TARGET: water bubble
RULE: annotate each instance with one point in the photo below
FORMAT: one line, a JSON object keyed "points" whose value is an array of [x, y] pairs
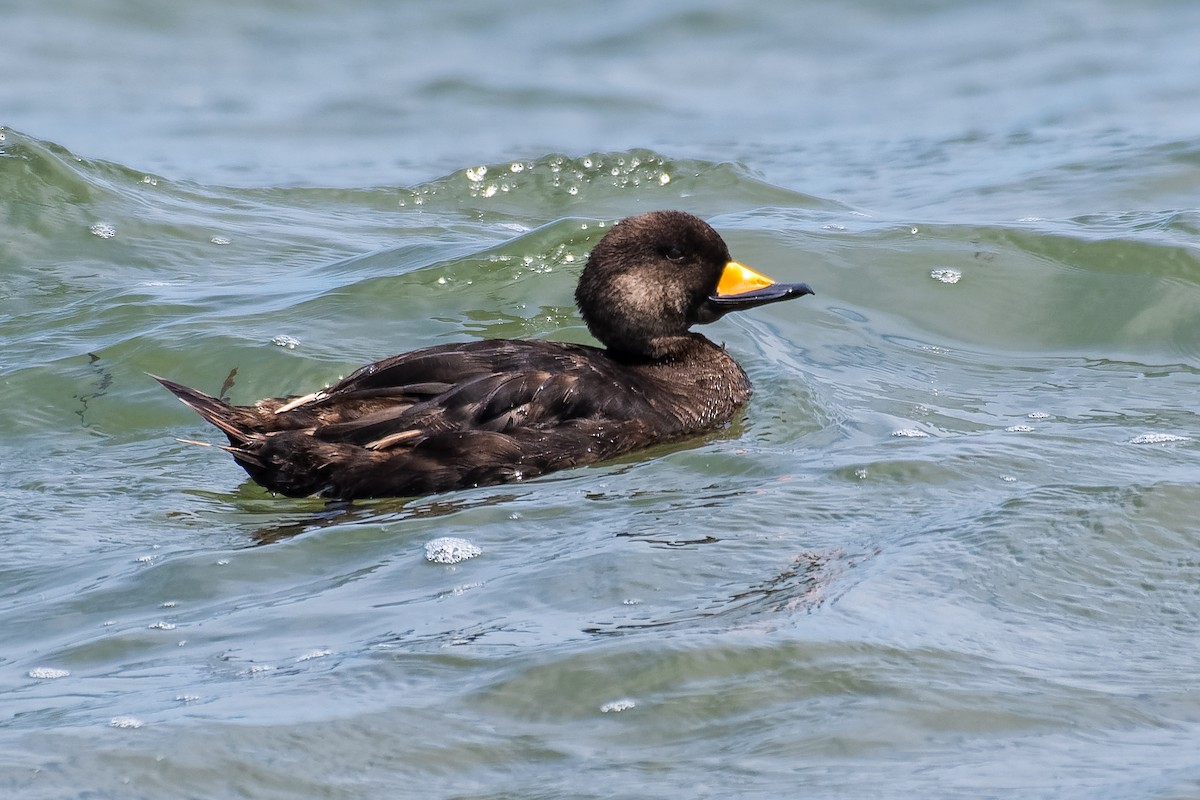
{"points": [[946, 275], [490, 191], [664, 179], [1019, 428], [220, 240], [476, 174], [285, 341], [125, 722], [617, 706], [48, 673], [1038, 415], [587, 162], [104, 230], [1158, 438], [150, 180], [450, 550], [516, 166], [161, 626], [573, 190], [910, 433]]}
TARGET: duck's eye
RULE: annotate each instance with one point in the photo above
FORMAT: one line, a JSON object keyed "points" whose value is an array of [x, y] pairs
{"points": [[673, 253]]}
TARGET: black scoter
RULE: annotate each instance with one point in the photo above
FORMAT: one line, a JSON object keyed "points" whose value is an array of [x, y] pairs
{"points": [[493, 411]]}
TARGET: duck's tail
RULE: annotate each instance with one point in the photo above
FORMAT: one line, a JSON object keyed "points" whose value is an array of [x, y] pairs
{"points": [[214, 410]]}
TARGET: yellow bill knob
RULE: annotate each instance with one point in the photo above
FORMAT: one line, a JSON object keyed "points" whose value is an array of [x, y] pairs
{"points": [[739, 279]]}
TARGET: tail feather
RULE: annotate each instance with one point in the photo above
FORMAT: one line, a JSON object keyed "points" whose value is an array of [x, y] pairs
{"points": [[215, 411], [248, 458]]}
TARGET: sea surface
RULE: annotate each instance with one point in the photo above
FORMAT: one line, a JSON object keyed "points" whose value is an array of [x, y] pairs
{"points": [[951, 549]]}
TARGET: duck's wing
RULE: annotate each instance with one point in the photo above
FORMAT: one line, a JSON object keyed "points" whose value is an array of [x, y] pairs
{"points": [[442, 418], [492, 386], [299, 465], [521, 412]]}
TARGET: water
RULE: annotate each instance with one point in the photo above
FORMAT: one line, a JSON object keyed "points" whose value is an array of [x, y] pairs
{"points": [[949, 551]]}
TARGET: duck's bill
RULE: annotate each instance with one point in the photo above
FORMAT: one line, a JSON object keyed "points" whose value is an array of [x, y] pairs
{"points": [[741, 287]]}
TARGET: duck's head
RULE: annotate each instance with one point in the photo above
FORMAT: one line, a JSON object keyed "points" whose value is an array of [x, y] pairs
{"points": [[655, 275]]}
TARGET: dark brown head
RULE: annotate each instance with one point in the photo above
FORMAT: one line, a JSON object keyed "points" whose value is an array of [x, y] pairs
{"points": [[655, 275]]}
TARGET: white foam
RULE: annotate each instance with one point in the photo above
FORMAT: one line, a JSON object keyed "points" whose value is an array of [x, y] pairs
{"points": [[450, 550], [48, 673], [125, 722], [617, 706], [1158, 438]]}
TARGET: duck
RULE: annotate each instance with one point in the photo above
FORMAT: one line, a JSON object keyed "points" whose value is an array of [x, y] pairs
{"points": [[494, 411]]}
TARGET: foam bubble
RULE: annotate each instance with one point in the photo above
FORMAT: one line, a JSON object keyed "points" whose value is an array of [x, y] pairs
{"points": [[946, 275], [617, 706], [450, 550], [1158, 438], [48, 673], [125, 722], [910, 433]]}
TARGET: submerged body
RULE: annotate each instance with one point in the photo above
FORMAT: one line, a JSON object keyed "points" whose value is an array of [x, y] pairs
{"points": [[495, 411]]}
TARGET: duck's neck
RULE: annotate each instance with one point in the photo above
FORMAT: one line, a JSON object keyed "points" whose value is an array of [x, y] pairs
{"points": [[704, 386]]}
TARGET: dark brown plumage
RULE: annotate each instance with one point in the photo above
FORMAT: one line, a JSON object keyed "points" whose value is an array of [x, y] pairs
{"points": [[494, 411]]}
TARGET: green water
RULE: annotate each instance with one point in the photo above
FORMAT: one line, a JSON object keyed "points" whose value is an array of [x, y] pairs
{"points": [[949, 550]]}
